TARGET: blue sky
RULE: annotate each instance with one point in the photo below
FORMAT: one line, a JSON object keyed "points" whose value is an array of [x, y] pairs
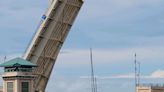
{"points": [[115, 29]]}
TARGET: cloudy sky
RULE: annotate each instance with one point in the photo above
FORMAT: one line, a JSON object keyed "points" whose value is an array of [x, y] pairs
{"points": [[115, 29]]}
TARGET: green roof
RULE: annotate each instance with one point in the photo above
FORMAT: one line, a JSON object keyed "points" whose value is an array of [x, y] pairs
{"points": [[17, 62]]}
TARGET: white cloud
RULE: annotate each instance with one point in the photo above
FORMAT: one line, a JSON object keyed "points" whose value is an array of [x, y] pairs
{"points": [[158, 74], [68, 84], [119, 76], [154, 75], [78, 57]]}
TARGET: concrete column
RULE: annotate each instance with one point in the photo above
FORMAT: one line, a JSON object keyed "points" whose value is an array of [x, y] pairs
{"points": [[17, 85], [4, 86]]}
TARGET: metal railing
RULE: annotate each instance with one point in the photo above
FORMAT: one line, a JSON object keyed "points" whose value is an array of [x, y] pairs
{"points": [[29, 43], [151, 85]]}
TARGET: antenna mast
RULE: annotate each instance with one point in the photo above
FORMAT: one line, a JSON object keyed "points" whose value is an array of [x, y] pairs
{"points": [[135, 62], [5, 58], [93, 78], [139, 71]]}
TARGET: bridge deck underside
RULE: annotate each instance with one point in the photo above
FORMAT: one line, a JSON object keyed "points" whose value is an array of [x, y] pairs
{"points": [[49, 39]]}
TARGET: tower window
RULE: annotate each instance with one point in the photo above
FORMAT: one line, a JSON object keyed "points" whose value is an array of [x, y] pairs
{"points": [[9, 86], [25, 87]]}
